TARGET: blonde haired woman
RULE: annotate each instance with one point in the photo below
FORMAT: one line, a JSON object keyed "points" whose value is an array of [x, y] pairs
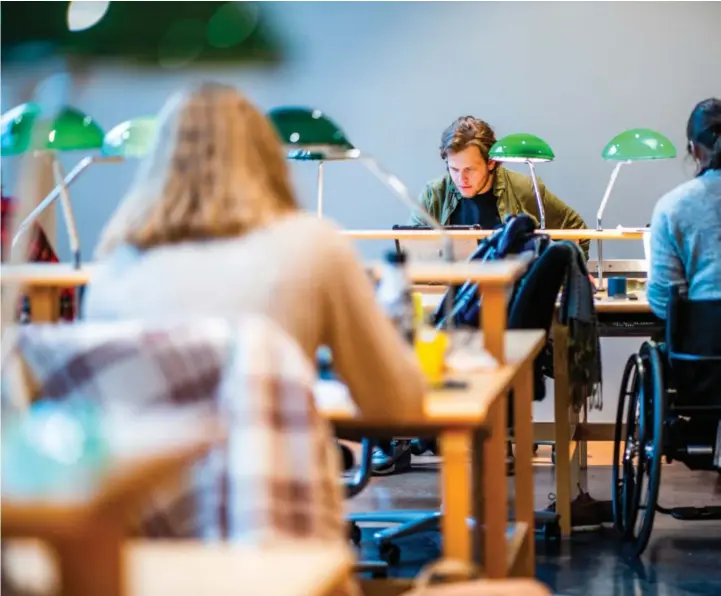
{"points": [[211, 227]]}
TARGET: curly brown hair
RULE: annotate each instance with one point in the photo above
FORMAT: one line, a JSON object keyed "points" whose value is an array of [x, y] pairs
{"points": [[465, 132]]}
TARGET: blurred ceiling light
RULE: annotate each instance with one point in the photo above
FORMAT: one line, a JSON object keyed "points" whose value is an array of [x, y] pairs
{"points": [[182, 43], [232, 24], [206, 32], [83, 14]]}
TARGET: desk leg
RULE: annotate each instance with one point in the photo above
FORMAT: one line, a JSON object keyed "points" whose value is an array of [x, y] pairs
{"points": [[91, 565], [495, 489], [575, 452], [561, 397], [456, 479], [583, 445], [523, 434], [493, 322], [44, 304], [479, 501]]}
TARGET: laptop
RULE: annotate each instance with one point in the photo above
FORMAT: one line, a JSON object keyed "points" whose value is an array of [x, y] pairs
{"points": [[433, 249]]}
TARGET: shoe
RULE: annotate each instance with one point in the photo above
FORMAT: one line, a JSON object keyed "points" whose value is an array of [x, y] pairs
{"points": [[392, 460], [587, 514], [420, 446]]}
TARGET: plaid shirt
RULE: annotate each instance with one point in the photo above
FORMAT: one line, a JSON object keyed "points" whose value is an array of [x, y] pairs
{"points": [[278, 476]]}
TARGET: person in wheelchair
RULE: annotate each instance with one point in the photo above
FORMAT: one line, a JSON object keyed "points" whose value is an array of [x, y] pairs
{"points": [[669, 407], [685, 242]]}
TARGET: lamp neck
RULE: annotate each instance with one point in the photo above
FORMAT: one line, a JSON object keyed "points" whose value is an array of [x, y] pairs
{"points": [[607, 194]]}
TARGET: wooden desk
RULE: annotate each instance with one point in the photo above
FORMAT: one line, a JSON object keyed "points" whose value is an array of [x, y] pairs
{"points": [[570, 437], [570, 432], [610, 234], [464, 419], [604, 304], [185, 568], [42, 283], [87, 530], [494, 280]]}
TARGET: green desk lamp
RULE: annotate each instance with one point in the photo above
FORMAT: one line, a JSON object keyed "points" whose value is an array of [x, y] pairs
{"points": [[309, 135], [17, 128], [133, 138], [25, 129], [636, 144], [528, 149]]}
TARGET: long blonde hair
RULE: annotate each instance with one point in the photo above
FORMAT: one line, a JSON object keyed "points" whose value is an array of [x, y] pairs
{"points": [[216, 170]]}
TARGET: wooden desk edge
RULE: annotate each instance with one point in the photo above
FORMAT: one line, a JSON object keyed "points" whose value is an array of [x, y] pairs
{"points": [[516, 544], [586, 234], [24, 518], [502, 379]]}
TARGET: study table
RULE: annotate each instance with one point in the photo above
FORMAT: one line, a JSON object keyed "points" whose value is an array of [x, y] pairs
{"points": [[610, 234], [86, 528], [195, 568], [617, 317], [42, 283], [471, 421], [476, 427]]}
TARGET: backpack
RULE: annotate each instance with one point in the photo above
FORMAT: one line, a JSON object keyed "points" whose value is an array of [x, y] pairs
{"points": [[516, 236]]}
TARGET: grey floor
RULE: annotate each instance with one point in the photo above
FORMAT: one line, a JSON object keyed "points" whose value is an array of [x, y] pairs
{"points": [[682, 558]]}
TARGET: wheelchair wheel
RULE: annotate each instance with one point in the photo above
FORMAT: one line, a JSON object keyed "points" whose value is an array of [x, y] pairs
{"points": [[640, 458], [626, 401]]}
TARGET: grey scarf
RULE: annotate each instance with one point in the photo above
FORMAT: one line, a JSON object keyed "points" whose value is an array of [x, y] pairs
{"points": [[578, 313]]}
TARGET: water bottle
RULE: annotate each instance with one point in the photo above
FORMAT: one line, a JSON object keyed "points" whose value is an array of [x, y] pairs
{"points": [[394, 294]]}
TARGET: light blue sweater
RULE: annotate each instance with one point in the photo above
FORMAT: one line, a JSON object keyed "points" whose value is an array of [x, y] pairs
{"points": [[686, 242]]}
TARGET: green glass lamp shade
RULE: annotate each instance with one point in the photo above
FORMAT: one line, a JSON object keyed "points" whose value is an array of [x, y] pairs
{"points": [[17, 127], [70, 130], [309, 131], [639, 144], [23, 128], [521, 147], [133, 138]]}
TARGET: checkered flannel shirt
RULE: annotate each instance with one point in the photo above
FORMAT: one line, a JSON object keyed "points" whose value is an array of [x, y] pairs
{"points": [[278, 475]]}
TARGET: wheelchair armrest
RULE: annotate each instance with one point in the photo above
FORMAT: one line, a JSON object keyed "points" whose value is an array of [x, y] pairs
{"points": [[362, 474]]}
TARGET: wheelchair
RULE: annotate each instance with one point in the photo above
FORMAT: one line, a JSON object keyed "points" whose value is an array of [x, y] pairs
{"points": [[669, 408]]}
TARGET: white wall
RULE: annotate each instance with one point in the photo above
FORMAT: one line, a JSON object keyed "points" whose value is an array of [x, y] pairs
{"points": [[395, 74]]}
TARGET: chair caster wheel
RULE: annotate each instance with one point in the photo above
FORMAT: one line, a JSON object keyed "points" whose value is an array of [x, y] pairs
{"points": [[355, 533], [390, 553]]}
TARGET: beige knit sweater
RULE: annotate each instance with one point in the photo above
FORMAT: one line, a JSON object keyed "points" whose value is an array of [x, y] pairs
{"points": [[301, 272]]}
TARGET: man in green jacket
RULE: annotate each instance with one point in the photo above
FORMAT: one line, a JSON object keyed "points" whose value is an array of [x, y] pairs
{"points": [[479, 191]]}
